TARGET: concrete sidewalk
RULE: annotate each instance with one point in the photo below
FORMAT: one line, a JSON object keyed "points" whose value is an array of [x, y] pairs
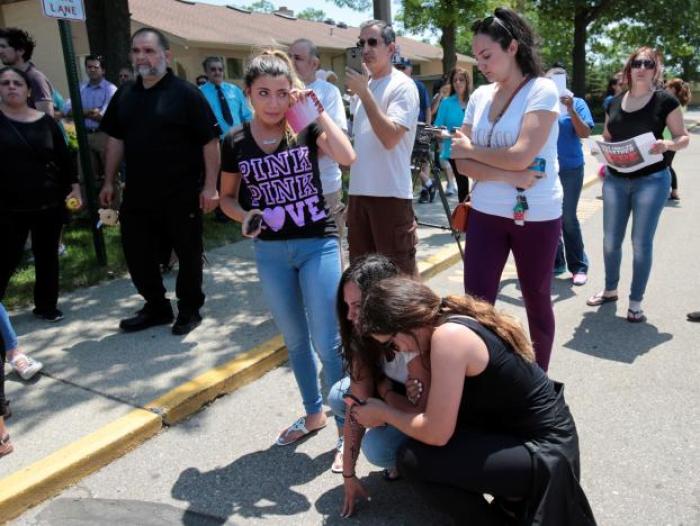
{"points": [[103, 392]]}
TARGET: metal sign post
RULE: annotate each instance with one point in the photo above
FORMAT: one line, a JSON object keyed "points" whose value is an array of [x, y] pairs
{"points": [[66, 10]]}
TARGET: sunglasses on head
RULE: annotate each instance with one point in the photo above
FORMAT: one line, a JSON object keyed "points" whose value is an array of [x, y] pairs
{"points": [[485, 23], [644, 63], [371, 42]]}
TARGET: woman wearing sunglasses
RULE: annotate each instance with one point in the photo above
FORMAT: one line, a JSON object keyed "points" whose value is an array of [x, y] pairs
{"points": [[508, 125], [493, 423], [642, 193]]}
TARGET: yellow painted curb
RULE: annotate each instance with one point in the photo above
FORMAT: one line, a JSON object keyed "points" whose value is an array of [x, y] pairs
{"points": [[46, 477], [186, 399], [590, 181], [441, 260]]}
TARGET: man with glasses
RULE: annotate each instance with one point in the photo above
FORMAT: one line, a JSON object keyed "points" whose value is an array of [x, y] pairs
{"points": [[380, 211], [227, 100], [95, 95], [228, 103], [307, 59]]}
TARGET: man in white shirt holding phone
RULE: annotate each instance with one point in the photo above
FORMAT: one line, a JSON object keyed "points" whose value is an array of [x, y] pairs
{"points": [[307, 59], [380, 211]]}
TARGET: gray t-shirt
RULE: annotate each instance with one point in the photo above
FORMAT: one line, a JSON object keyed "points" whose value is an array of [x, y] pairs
{"points": [[41, 90]]}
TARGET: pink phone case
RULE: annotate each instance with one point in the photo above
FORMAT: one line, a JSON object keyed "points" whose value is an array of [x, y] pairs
{"points": [[303, 113]]}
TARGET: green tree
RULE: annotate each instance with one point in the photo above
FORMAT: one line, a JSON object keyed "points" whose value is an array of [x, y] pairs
{"points": [[262, 6], [310, 13], [579, 15]]}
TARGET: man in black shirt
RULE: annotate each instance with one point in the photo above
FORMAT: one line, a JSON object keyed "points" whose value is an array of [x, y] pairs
{"points": [[168, 135]]}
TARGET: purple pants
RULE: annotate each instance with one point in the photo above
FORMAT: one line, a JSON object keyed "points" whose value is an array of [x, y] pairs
{"points": [[490, 239]]}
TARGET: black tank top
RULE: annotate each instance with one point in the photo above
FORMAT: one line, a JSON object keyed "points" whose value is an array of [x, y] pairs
{"points": [[511, 395]]}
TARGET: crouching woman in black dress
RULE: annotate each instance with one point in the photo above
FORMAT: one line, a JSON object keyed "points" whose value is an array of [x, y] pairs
{"points": [[494, 423]]}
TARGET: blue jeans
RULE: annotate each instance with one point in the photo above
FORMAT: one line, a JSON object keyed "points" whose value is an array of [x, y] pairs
{"points": [[7, 333], [379, 444], [576, 259], [300, 280], [644, 198]]}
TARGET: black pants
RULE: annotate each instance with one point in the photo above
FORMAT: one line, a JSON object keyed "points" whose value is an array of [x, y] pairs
{"points": [[45, 228], [462, 182], [674, 178], [143, 233], [455, 477]]}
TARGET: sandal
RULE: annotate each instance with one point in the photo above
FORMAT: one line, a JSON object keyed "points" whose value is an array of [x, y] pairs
{"points": [[297, 427], [6, 446], [337, 466], [636, 316], [600, 298], [25, 366]]}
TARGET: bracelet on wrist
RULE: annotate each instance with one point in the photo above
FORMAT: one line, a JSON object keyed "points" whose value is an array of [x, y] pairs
{"points": [[352, 476]]}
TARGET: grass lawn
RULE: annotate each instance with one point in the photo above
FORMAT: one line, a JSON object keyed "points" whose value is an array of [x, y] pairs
{"points": [[79, 267]]}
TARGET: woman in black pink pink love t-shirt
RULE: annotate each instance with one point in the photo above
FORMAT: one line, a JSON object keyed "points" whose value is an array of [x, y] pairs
{"points": [[641, 193], [270, 182]]}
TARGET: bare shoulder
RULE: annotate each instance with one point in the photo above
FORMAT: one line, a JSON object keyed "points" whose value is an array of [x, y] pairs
{"points": [[455, 342]]}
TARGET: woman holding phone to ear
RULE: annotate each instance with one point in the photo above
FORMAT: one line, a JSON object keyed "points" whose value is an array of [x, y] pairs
{"points": [[271, 183], [508, 125]]}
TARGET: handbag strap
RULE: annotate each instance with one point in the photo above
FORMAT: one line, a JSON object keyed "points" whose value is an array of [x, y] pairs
{"points": [[505, 108]]}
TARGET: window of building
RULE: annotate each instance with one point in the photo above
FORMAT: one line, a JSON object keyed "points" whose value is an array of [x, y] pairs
{"points": [[234, 68]]}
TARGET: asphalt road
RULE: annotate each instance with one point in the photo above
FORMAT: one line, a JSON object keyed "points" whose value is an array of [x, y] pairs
{"points": [[633, 389]]}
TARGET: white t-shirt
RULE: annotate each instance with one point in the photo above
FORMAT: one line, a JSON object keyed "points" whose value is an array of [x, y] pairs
{"points": [[544, 198], [397, 369], [379, 172], [332, 102]]}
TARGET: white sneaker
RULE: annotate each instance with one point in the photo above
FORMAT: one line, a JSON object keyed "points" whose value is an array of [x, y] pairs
{"points": [[25, 366]]}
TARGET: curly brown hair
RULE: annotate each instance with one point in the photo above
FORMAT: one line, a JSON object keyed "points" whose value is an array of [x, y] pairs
{"points": [[681, 89], [402, 305]]}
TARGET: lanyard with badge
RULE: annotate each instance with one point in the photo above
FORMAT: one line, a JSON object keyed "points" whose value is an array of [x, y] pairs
{"points": [[521, 205]]}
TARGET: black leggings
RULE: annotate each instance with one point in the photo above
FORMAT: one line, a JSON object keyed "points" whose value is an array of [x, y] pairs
{"points": [[462, 182], [674, 178], [456, 476]]}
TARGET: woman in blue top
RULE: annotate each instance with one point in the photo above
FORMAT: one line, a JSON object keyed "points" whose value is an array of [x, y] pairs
{"points": [[451, 115], [574, 125]]}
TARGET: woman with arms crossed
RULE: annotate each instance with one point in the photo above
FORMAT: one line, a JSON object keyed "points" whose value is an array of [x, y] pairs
{"points": [[508, 125]]}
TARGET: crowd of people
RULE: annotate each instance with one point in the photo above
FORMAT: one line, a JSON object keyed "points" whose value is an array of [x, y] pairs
{"points": [[447, 392]]}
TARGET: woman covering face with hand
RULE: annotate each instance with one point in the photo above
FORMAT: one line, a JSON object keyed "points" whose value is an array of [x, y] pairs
{"points": [[400, 379], [493, 422], [270, 182]]}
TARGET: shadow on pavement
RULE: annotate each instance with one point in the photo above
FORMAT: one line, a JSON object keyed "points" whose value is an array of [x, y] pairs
{"points": [[111, 512], [604, 335], [258, 484], [392, 503]]}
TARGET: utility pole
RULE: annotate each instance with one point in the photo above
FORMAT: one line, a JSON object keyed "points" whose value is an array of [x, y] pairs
{"points": [[382, 10]]}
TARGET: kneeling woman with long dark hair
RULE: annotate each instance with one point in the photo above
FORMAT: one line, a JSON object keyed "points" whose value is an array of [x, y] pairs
{"points": [[494, 422]]}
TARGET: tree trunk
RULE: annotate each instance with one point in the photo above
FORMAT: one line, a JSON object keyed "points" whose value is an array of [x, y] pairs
{"points": [[578, 83], [448, 42], [109, 31]]}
